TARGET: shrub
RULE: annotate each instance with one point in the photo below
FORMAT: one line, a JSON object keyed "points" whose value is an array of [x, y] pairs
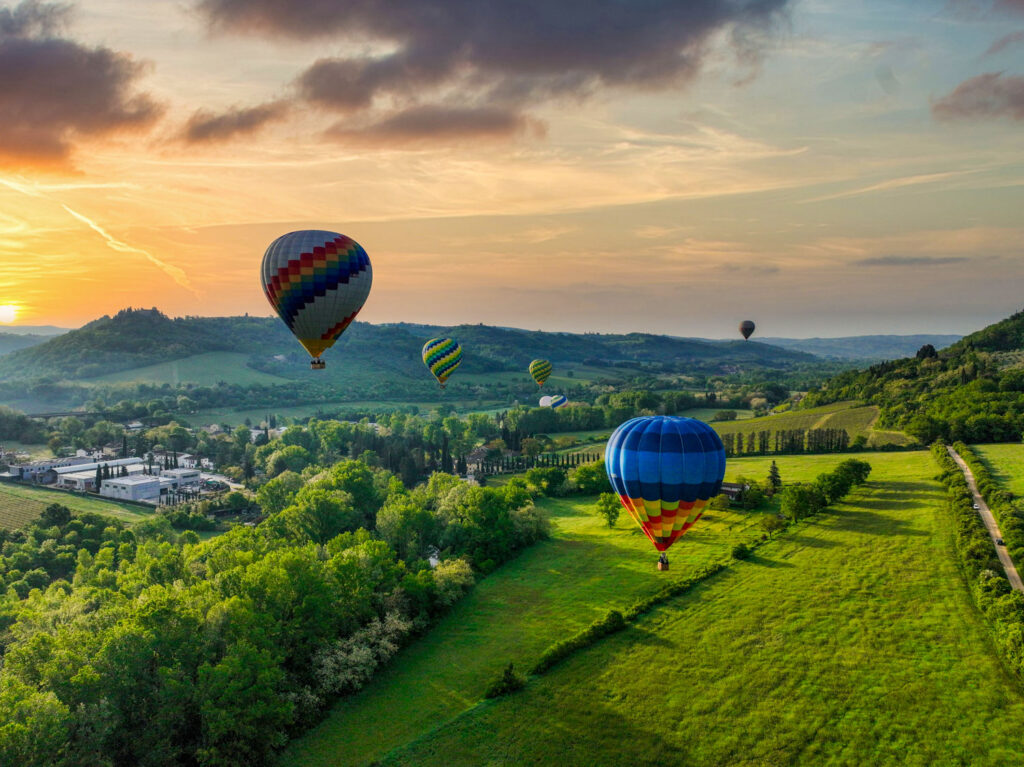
{"points": [[506, 684], [740, 551]]}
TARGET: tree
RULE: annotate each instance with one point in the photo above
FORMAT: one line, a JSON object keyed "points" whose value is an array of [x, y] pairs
{"points": [[926, 352], [774, 478], [99, 478], [772, 524], [609, 507], [800, 501], [278, 493]]}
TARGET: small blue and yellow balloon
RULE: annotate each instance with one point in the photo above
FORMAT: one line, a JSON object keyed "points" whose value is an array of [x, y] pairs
{"points": [[557, 401], [442, 356], [665, 469]]}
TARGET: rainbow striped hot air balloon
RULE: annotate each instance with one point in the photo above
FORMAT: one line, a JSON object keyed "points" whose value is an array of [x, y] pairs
{"points": [[559, 400], [442, 356], [540, 370], [317, 282], [665, 469]]}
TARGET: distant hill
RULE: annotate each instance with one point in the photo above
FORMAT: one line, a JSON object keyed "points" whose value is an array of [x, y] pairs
{"points": [[32, 330], [134, 339], [10, 342], [863, 348], [972, 390]]}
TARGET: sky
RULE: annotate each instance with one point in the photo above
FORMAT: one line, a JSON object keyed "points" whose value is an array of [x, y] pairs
{"points": [[823, 167]]}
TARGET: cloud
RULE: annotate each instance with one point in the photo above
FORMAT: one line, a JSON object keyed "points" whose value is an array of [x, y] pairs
{"points": [[989, 95], [54, 90], [909, 260], [483, 60], [206, 126], [1005, 42], [434, 124]]}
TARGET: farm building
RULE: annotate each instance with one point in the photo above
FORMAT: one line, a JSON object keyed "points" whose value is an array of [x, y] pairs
{"points": [[140, 487], [181, 477], [733, 491]]}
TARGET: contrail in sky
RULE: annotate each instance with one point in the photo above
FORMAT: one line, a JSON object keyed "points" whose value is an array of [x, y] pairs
{"points": [[174, 272]]}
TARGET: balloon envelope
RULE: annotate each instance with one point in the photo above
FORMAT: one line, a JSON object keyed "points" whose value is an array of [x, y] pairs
{"points": [[545, 401], [559, 400], [747, 328], [540, 370], [317, 282], [665, 469], [442, 356]]}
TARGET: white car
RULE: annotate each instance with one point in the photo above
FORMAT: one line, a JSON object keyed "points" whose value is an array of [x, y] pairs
{"points": [[976, 506]]}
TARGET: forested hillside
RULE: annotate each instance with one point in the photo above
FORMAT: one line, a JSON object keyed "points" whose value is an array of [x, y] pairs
{"points": [[972, 391]]}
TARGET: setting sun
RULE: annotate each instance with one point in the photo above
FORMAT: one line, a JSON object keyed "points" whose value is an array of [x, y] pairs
{"points": [[8, 313]]}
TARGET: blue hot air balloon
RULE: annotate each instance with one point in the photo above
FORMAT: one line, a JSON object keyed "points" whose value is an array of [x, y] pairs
{"points": [[665, 469]]}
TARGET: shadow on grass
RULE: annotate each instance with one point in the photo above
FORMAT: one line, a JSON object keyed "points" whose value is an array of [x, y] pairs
{"points": [[863, 521], [817, 543], [757, 559]]}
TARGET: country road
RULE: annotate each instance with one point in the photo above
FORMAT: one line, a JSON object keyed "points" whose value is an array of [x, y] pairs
{"points": [[990, 522]]}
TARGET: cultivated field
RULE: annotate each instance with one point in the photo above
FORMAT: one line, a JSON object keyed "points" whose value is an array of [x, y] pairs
{"points": [[20, 504], [850, 641], [1006, 462], [857, 420]]}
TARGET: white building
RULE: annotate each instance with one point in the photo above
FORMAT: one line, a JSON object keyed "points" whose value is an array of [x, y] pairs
{"points": [[188, 461], [33, 469], [181, 477], [140, 487]]}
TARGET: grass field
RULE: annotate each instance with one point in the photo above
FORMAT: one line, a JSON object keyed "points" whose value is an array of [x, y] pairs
{"points": [[20, 504], [556, 587], [851, 641], [857, 420], [200, 369], [236, 417], [1006, 462]]}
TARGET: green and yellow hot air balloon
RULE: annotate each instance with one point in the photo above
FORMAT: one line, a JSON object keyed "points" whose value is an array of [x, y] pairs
{"points": [[442, 356], [540, 370]]}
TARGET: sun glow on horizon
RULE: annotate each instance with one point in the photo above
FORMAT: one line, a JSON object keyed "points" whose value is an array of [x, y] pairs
{"points": [[8, 313]]}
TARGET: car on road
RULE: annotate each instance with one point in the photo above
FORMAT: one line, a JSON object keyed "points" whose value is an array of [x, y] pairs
{"points": [[976, 506], [999, 542]]}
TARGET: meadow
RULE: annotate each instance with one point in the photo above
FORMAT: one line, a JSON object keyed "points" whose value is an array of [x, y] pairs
{"points": [[201, 369], [857, 420], [556, 587], [21, 504], [1006, 462], [855, 626], [849, 640]]}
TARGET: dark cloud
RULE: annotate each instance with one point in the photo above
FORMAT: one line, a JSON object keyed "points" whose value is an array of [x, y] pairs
{"points": [[53, 89], [988, 95], [32, 17], [1005, 42], [436, 124], [910, 260], [466, 55], [205, 126]]}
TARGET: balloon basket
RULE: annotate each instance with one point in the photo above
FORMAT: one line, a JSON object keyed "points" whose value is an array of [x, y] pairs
{"points": [[662, 565], [317, 364]]}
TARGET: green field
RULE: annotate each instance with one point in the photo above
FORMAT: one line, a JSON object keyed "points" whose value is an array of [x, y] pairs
{"points": [[857, 420], [201, 369], [234, 417], [20, 504], [851, 640], [1006, 462], [557, 586]]}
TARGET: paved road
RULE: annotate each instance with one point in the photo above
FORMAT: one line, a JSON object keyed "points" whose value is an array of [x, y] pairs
{"points": [[990, 522]]}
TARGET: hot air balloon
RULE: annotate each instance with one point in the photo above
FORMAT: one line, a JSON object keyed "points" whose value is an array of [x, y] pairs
{"points": [[540, 370], [317, 282], [442, 356], [747, 328], [545, 401], [665, 469], [559, 400]]}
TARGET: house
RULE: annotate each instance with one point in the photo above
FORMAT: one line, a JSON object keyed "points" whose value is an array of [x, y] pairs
{"points": [[733, 491], [43, 471], [188, 461], [140, 487], [83, 476]]}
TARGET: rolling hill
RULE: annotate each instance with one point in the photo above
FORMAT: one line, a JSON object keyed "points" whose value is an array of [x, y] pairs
{"points": [[10, 342], [136, 339], [862, 348]]}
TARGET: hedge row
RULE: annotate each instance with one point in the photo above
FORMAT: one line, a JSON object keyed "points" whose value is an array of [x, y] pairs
{"points": [[1002, 607], [1007, 508]]}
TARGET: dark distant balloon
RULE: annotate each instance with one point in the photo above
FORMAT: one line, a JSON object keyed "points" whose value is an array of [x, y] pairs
{"points": [[747, 328]]}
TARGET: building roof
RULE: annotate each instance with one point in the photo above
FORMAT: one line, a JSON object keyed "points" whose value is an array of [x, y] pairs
{"points": [[137, 479]]}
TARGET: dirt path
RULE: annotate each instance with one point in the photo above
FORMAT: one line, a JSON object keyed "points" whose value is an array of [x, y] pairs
{"points": [[990, 522]]}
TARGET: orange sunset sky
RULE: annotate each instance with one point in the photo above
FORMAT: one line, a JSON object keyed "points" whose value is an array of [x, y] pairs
{"points": [[825, 167]]}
